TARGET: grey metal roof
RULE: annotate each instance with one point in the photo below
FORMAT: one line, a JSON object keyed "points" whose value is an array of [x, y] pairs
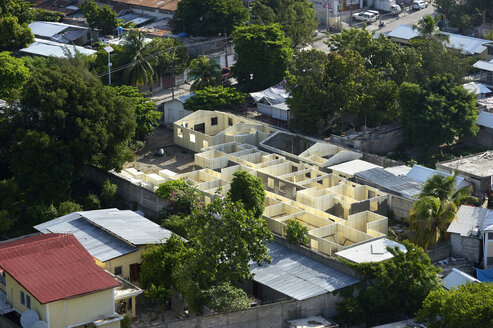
{"points": [[457, 278], [485, 119], [386, 181], [100, 244], [483, 65], [127, 225], [47, 29], [298, 276], [48, 48], [421, 174], [468, 218]]}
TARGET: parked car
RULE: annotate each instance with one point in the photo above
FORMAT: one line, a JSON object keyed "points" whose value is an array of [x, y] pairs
{"points": [[365, 17], [418, 5], [395, 9], [374, 12]]}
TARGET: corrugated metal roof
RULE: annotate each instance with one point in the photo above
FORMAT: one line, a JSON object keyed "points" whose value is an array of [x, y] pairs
{"points": [[47, 29], [127, 225], [468, 218], [170, 5], [100, 244], [483, 65], [52, 267], [398, 170], [353, 167], [298, 276], [457, 278], [386, 181], [485, 119], [421, 174], [373, 251], [465, 44], [477, 88], [48, 48]]}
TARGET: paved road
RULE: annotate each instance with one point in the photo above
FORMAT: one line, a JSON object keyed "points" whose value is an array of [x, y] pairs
{"points": [[390, 21]]}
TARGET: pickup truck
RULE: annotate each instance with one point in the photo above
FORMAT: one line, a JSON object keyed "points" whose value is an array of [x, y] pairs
{"points": [[365, 17]]}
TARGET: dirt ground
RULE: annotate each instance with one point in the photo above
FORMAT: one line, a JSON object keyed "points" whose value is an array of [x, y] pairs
{"points": [[176, 159]]}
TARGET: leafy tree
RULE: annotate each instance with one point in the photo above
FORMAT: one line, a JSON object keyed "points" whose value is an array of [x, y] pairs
{"points": [[226, 298], [147, 115], [68, 207], [92, 202], [39, 14], [437, 111], [391, 288], [263, 56], [171, 56], [249, 190], [469, 305], [467, 14], [296, 233], [159, 294], [296, 17], [72, 107], [212, 98], [209, 17], [14, 35], [13, 75], [226, 238], [205, 71], [126, 322], [142, 70], [165, 189], [178, 223], [108, 194], [103, 18], [444, 188]]}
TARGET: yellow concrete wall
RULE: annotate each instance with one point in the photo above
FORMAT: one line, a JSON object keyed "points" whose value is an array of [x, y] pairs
{"points": [[13, 294], [81, 309], [124, 261]]}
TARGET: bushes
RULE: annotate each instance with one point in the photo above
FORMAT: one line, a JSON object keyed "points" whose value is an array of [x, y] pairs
{"points": [[165, 189], [226, 298], [296, 233]]}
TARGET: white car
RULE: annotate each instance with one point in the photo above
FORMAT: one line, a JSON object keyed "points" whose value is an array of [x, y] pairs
{"points": [[395, 9], [418, 5], [365, 17], [374, 12]]}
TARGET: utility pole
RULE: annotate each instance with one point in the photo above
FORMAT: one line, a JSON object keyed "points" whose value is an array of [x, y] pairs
{"points": [[173, 74], [326, 14], [109, 49]]}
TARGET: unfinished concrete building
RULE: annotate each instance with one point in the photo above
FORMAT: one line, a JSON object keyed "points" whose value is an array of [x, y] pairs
{"points": [[337, 212]]}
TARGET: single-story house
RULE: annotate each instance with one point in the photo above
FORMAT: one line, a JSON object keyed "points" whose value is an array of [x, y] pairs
{"points": [[173, 110], [457, 278], [47, 48], [479, 89], [63, 33], [485, 69], [470, 235], [52, 281]]}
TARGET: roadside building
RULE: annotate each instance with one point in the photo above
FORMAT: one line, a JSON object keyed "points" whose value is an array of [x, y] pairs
{"points": [[53, 276]]}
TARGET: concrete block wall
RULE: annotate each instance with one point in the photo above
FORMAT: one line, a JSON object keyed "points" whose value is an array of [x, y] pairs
{"points": [[467, 247]]}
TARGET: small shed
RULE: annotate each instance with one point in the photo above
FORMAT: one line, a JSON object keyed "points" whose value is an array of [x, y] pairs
{"points": [[272, 102], [174, 110]]}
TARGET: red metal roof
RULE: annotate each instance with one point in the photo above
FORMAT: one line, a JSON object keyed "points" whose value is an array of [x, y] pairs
{"points": [[52, 267]]}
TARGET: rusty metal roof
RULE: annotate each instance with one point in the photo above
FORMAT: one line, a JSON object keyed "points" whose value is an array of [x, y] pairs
{"points": [[170, 5], [52, 267]]}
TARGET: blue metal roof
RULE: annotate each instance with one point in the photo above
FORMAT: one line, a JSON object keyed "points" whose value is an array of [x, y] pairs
{"points": [[100, 244], [128, 226], [465, 44], [298, 276]]}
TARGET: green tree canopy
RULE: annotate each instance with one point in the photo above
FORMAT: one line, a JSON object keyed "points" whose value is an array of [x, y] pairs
{"points": [[206, 72], [209, 17], [428, 29], [390, 288], [72, 106], [142, 66], [14, 35], [146, 113], [469, 305], [296, 17], [438, 111], [13, 75], [226, 298], [263, 56], [248, 189], [99, 17], [218, 97], [297, 233]]}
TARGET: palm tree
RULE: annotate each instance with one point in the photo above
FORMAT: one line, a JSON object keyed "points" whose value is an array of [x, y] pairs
{"points": [[428, 29], [444, 188], [436, 208], [430, 217], [141, 70], [206, 72]]}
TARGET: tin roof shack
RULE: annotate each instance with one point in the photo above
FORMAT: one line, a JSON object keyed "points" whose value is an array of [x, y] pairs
{"points": [[53, 276], [298, 274], [457, 278], [466, 232], [379, 140], [63, 33], [272, 102], [47, 48], [476, 169]]}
